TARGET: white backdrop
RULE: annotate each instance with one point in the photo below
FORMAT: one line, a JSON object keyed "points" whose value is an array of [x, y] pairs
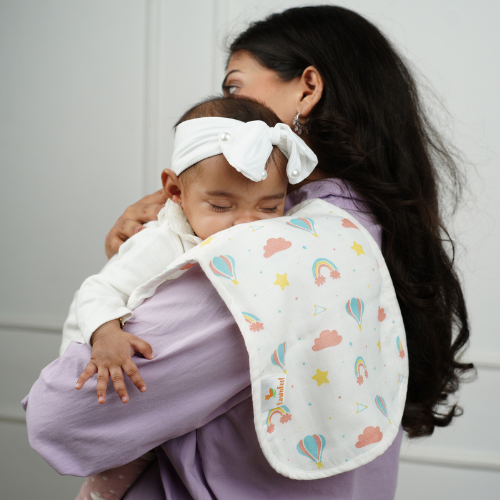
{"points": [[89, 92]]}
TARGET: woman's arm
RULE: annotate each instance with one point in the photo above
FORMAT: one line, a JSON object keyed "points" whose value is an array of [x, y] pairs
{"points": [[200, 371], [132, 220]]}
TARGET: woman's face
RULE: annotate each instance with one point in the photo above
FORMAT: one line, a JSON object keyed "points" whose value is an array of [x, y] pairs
{"points": [[246, 77]]}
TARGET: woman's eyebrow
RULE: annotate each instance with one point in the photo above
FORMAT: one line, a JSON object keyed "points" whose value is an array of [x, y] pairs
{"points": [[232, 71]]}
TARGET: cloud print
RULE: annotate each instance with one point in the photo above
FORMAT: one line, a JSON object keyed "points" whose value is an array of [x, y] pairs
{"points": [[370, 435], [381, 314], [326, 339], [348, 223], [275, 245]]}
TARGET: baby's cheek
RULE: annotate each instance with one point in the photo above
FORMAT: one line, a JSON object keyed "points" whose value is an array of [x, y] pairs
{"points": [[205, 227]]}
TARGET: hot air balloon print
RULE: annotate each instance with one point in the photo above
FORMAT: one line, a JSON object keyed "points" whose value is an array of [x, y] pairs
{"points": [[312, 447], [278, 357], [355, 308], [400, 348], [304, 223], [360, 370], [379, 401], [255, 323], [321, 265], [284, 414], [224, 266]]}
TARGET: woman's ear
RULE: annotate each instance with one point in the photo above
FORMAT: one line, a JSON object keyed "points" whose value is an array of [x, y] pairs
{"points": [[171, 186], [312, 90]]}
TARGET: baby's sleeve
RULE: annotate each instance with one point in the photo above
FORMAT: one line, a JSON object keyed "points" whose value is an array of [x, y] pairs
{"points": [[103, 297]]}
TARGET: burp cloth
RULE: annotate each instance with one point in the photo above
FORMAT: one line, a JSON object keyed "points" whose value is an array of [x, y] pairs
{"points": [[316, 306]]}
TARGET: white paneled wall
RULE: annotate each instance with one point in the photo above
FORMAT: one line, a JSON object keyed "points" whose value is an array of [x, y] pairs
{"points": [[89, 93]]}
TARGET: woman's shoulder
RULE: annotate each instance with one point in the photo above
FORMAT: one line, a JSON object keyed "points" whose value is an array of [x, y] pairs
{"points": [[338, 193]]}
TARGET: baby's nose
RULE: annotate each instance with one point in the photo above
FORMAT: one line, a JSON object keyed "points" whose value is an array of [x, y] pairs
{"points": [[245, 218]]}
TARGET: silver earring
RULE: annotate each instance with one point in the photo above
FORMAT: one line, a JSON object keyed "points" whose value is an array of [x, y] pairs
{"points": [[298, 127]]}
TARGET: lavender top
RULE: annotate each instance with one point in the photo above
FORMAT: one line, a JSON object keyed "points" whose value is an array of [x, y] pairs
{"points": [[197, 410]]}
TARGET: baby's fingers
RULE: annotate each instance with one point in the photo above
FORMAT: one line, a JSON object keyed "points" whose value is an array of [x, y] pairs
{"points": [[119, 383], [89, 372], [102, 383], [142, 347], [131, 370]]}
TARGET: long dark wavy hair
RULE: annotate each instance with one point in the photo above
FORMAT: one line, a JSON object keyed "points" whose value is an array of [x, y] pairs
{"points": [[369, 129]]}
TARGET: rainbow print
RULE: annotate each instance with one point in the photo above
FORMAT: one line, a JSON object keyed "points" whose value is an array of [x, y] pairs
{"points": [[355, 308], [284, 414], [319, 265], [360, 369], [255, 323], [399, 345]]}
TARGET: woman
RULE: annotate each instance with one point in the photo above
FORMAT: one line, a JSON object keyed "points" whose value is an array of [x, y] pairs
{"points": [[358, 108]]}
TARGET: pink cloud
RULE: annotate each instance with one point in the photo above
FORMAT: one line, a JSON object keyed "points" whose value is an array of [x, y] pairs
{"points": [[370, 435], [275, 245], [256, 327], [348, 223], [381, 314], [326, 339]]}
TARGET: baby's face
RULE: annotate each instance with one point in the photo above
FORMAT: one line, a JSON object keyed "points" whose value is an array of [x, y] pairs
{"points": [[218, 197]]}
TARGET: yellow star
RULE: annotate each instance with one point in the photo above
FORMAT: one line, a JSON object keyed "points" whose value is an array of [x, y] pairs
{"points": [[281, 280], [320, 377], [378, 345], [358, 249], [207, 241]]}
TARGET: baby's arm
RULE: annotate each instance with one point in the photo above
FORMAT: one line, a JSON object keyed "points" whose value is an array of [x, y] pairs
{"points": [[103, 299]]}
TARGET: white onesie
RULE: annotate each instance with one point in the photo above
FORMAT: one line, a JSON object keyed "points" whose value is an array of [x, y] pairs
{"points": [[105, 296]]}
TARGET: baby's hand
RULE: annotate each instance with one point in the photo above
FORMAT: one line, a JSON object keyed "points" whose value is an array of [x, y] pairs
{"points": [[112, 351]]}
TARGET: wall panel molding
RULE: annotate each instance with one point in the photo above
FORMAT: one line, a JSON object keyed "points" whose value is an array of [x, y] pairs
{"points": [[451, 458], [151, 133], [16, 418], [482, 359], [32, 322]]}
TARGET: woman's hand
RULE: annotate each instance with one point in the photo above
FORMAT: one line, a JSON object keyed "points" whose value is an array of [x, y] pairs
{"points": [[132, 220], [112, 351]]}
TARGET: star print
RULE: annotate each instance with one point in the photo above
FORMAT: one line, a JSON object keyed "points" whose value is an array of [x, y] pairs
{"points": [[207, 241], [378, 345], [320, 377], [281, 280], [358, 249]]}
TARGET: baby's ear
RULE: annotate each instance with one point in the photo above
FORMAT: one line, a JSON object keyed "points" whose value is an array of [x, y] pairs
{"points": [[171, 185]]}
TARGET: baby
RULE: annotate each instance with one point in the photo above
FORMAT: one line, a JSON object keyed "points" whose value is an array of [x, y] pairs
{"points": [[231, 164]]}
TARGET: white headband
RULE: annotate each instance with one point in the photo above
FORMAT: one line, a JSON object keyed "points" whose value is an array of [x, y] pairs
{"points": [[246, 146]]}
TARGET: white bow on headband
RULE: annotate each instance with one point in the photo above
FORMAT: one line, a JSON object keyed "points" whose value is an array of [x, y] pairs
{"points": [[246, 146]]}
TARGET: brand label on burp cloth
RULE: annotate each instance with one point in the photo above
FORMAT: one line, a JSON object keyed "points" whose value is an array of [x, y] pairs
{"points": [[272, 390]]}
